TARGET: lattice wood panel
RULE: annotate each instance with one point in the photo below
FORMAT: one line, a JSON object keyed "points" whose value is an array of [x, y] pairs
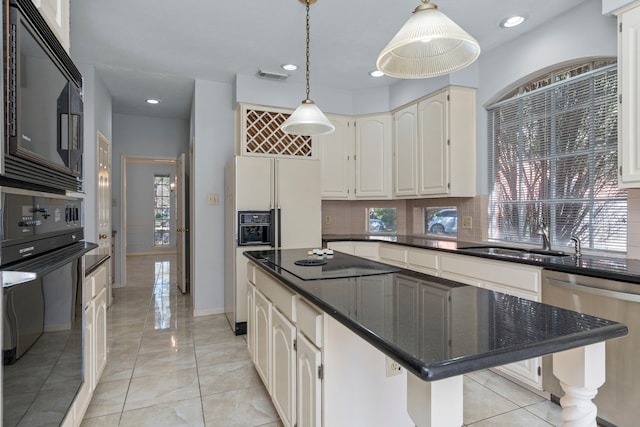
{"points": [[263, 135]]}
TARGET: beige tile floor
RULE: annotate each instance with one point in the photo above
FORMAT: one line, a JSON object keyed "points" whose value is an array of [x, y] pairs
{"points": [[168, 368]]}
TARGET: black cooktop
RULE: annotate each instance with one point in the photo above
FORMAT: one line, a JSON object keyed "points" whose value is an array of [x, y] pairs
{"points": [[319, 267]]}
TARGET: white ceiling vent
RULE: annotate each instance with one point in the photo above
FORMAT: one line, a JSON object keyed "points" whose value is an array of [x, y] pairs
{"points": [[270, 75]]}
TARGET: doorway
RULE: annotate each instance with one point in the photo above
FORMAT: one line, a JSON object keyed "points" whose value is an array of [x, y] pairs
{"points": [[152, 210]]}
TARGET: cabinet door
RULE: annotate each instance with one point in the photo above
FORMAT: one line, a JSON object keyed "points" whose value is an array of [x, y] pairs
{"points": [[336, 159], [262, 349], [89, 347], [433, 145], [309, 385], [283, 368], [251, 309], [100, 331], [405, 151], [629, 108], [373, 157]]}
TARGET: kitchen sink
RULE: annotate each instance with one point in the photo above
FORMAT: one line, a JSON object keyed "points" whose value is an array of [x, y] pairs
{"points": [[532, 254]]}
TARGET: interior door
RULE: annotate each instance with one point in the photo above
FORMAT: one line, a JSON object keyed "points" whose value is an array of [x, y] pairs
{"points": [[104, 205], [181, 228]]}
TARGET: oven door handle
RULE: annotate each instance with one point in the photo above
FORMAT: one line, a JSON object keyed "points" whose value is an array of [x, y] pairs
{"points": [[594, 291], [13, 278], [46, 263]]}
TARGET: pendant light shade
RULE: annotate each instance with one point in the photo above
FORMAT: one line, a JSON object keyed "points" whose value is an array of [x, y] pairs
{"points": [[428, 45], [307, 119]]}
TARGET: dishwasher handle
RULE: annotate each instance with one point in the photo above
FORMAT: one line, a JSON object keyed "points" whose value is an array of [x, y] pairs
{"points": [[594, 291]]}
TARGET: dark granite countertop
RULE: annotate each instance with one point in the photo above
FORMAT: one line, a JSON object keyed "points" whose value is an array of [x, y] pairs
{"points": [[434, 327], [624, 269]]}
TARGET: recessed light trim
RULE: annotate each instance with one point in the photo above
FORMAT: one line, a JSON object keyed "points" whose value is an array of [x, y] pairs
{"points": [[512, 21], [289, 67], [376, 73], [153, 101]]}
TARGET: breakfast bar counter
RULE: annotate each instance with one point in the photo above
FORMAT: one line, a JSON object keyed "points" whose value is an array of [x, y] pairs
{"points": [[439, 329]]}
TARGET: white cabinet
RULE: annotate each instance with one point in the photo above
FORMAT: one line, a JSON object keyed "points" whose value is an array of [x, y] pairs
{"points": [[393, 254], [308, 385], [336, 151], [262, 343], [447, 143], [284, 337], [629, 89], [369, 250], [100, 328], [56, 14], [373, 157], [405, 151], [283, 368]]}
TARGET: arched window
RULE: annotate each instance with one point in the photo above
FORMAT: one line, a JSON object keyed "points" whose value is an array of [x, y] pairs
{"points": [[553, 159]]}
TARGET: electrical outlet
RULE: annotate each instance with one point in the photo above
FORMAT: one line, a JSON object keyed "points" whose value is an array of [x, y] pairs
{"points": [[212, 199], [393, 367], [327, 219], [467, 222]]}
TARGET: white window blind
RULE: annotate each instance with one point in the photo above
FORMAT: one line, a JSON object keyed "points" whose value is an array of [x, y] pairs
{"points": [[553, 159]]}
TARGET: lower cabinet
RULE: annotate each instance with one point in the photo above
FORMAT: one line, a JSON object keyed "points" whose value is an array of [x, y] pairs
{"points": [[284, 337], [95, 341]]}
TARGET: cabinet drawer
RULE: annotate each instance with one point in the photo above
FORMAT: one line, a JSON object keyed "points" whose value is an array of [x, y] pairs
{"points": [[366, 250], [309, 322], [251, 273], [89, 290], [279, 296], [100, 279], [422, 260], [396, 254]]}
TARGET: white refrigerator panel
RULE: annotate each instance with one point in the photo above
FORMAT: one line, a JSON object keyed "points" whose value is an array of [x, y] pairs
{"points": [[254, 183], [298, 197]]}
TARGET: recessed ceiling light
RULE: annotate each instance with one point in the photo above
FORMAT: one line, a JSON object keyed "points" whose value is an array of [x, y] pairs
{"points": [[289, 67], [376, 73], [512, 21], [153, 101]]}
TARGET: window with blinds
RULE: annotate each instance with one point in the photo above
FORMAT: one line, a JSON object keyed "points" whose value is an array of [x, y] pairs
{"points": [[553, 159]]}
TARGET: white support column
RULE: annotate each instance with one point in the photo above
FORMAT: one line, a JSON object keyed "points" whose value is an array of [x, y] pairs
{"points": [[581, 372], [435, 403]]}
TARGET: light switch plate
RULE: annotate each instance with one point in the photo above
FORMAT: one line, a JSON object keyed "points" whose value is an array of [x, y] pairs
{"points": [[212, 199], [467, 222]]}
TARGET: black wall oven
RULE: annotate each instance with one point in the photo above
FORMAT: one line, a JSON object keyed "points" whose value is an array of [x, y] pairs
{"points": [[42, 346], [44, 107]]}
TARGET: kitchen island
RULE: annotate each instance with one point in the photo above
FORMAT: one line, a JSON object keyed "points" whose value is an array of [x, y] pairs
{"points": [[436, 329]]}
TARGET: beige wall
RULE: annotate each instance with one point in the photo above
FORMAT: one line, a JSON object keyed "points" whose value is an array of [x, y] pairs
{"points": [[350, 217]]}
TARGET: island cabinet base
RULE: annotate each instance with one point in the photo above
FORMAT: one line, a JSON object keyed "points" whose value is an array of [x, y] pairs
{"points": [[357, 391]]}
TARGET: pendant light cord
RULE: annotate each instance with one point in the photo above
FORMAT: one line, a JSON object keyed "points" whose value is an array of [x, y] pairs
{"points": [[308, 74]]}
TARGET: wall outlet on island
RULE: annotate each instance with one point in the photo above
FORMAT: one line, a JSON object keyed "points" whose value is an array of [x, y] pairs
{"points": [[327, 219], [393, 367], [467, 222]]}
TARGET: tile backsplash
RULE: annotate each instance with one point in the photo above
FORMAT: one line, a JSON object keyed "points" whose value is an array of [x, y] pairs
{"points": [[350, 217]]}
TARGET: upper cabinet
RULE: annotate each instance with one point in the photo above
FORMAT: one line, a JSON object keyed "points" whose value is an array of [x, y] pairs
{"points": [[405, 151], [629, 91], [373, 157], [435, 146], [336, 158], [56, 13], [356, 158]]}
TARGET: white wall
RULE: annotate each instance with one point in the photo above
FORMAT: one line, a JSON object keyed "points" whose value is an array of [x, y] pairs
{"points": [[213, 133], [97, 117], [148, 137]]}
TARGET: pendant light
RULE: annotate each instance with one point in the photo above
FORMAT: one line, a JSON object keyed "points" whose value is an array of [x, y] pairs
{"points": [[307, 119], [428, 45]]}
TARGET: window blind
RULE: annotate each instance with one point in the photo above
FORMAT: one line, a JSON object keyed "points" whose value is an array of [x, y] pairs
{"points": [[553, 159]]}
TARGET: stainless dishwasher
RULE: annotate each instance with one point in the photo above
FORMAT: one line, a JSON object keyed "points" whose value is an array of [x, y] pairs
{"points": [[618, 399]]}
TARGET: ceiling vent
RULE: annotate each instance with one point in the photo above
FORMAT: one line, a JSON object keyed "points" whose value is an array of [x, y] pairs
{"points": [[270, 75]]}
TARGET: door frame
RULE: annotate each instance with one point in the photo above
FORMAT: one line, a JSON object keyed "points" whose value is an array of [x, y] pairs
{"points": [[124, 162]]}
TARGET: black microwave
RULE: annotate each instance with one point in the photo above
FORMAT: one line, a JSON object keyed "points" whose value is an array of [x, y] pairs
{"points": [[44, 105]]}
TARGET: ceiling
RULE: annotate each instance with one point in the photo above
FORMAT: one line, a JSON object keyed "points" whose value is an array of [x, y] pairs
{"points": [[151, 48]]}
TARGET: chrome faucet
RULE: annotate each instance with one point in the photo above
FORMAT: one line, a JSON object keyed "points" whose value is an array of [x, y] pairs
{"points": [[577, 246], [543, 231]]}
